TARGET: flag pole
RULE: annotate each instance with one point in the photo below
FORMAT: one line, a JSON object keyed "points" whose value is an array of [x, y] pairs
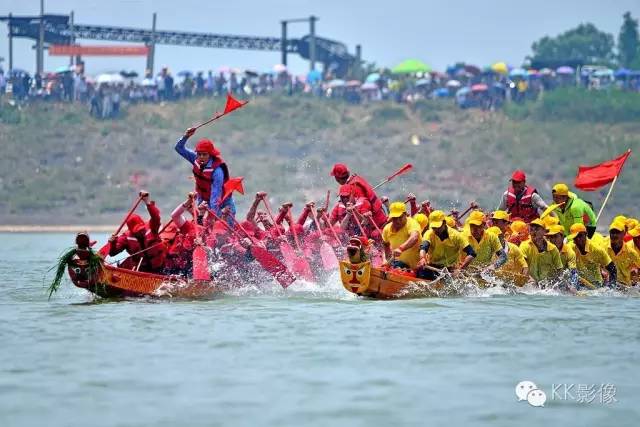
{"points": [[606, 199]]}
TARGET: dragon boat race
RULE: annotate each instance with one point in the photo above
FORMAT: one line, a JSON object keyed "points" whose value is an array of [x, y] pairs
{"points": [[319, 214]]}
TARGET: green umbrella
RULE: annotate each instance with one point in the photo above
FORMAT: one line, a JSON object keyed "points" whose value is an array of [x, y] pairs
{"points": [[411, 66]]}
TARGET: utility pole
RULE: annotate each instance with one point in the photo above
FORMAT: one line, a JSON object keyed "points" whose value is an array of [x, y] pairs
{"points": [[72, 40], [312, 41], [40, 50], [283, 42], [152, 45], [10, 45]]}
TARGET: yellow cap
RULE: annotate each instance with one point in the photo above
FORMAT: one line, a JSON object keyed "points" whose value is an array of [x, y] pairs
{"points": [[503, 215], [422, 219], [436, 218], [397, 209], [555, 229], [539, 222], [494, 230], [620, 218], [631, 223], [550, 220], [576, 229], [451, 221], [519, 227], [476, 218], [560, 189], [617, 225], [635, 232]]}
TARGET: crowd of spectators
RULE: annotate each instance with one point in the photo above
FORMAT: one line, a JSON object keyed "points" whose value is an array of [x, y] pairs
{"points": [[467, 85]]}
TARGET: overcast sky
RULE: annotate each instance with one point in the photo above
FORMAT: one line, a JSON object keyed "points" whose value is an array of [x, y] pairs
{"points": [[437, 32]]}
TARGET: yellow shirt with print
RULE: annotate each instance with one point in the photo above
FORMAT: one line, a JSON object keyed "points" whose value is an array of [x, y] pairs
{"points": [[568, 257], [398, 237], [485, 249], [445, 253], [589, 263], [626, 260], [543, 264]]}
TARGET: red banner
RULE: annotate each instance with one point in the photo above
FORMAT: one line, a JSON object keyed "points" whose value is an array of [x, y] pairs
{"points": [[590, 178], [75, 50]]}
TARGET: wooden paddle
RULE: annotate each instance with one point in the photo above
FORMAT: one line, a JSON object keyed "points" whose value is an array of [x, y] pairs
{"points": [[269, 262], [300, 264], [327, 255], [404, 169], [199, 255]]}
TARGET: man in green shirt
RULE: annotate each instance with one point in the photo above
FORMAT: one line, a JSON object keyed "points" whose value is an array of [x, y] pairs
{"points": [[573, 210]]}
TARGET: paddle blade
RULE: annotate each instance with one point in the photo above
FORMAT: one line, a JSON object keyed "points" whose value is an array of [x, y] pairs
{"points": [[288, 254], [301, 268], [273, 266], [328, 257], [406, 168], [200, 264], [552, 207]]}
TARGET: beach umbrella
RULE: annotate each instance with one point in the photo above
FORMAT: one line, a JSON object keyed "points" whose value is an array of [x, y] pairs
{"points": [[546, 71], [463, 91], [518, 72], [500, 68], [369, 86], [565, 69], [411, 66], [373, 77], [280, 68], [533, 73], [604, 73], [423, 82], [354, 83], [453, 83], [480, 87]]}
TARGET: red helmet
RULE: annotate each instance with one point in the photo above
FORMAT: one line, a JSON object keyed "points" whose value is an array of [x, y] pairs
{"points": [[206, 146], [340, 170], [135, 223]]}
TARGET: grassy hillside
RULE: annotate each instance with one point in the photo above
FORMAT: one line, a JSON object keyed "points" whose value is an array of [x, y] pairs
{"points": [[60, 166]]}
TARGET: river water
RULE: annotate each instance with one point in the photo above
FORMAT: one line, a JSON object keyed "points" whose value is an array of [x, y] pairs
{"points": [[313, 355]]}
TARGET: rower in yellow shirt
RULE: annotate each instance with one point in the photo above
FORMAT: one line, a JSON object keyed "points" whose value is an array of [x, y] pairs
{"points": [[485, 245], [622, 253], [634, 244], [502, 220], [401, 238], [543, 258], [516, 264], [590, 258], [555, 234], [441, 247]]}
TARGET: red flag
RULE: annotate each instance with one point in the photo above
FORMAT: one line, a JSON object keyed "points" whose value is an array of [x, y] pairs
{"points": [[232, 104], [590, 178], [233, 184]]}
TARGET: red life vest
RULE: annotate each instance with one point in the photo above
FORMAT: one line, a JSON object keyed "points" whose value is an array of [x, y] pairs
{"points": [[365, 190], [522, 207], [204, 177]]}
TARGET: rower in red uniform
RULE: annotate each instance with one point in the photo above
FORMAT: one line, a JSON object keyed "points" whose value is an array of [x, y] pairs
{"points": [[522, 201], [141, 237], [361, 188]]}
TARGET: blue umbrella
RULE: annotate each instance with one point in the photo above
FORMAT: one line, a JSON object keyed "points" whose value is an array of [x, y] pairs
{"points": [[372, 78], [185, 73], [423, 82], [622, 73], [442, 92], [314, 76], [518, 72]]}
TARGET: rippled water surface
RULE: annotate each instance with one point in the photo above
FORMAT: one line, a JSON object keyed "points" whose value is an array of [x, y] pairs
{"points": [[312, 355]]}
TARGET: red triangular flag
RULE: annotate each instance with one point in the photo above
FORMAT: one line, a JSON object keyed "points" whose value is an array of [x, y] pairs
{"points": [[233, 184], [232, 104], [590, 178]]}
